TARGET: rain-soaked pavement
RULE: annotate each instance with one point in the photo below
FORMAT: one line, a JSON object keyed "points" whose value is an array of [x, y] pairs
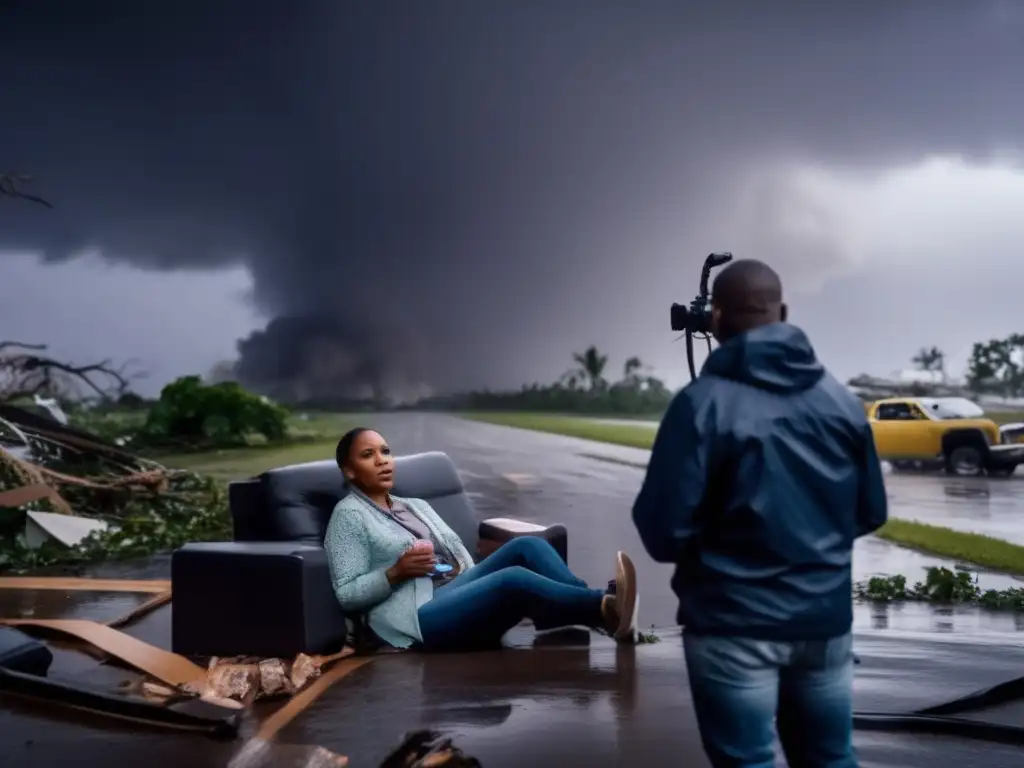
{"points": [[584, 701]]}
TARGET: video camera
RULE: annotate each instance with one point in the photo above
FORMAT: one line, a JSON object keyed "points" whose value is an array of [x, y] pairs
{"points": [[695, 319]]}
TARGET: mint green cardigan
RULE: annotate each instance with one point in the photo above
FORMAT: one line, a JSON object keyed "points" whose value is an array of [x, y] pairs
{"points": [[362, 544]]}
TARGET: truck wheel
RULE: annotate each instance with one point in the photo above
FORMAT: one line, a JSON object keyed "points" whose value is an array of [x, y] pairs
{"points": [[965, 461]]}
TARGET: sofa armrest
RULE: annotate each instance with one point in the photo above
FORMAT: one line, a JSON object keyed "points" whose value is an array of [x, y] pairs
{"points": [[495, 531], [271, 599]]}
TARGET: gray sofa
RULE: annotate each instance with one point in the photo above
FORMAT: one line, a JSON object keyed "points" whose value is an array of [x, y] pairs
{"points": [[268, 592]]}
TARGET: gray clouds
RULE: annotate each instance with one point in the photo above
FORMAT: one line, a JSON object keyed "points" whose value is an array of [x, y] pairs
{"points": [[479, 187]]}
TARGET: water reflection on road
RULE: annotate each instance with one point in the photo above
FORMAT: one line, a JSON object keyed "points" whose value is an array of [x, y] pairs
{"points": [[590, 488]]}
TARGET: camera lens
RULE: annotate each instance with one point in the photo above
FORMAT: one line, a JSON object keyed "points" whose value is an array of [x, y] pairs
{"points": [[679, 317]]}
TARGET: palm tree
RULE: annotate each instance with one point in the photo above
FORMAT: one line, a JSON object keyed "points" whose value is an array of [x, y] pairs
{"points": [[631, 378], [592, 364]]}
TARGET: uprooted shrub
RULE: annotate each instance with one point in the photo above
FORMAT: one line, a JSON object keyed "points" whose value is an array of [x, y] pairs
{"points": [[191, 413], [190, 508]]}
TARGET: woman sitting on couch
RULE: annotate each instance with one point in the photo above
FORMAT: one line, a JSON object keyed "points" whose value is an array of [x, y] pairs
{"points": [[396, 561]]}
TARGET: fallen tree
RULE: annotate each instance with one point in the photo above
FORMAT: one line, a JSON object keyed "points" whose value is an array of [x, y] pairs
{"points": [[132, 506]]}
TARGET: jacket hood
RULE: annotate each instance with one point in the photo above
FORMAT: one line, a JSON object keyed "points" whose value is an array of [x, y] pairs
{"points": [[777, 357]]}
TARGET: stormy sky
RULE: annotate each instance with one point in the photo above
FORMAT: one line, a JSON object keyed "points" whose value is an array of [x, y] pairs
{"points": [[466, 191]]}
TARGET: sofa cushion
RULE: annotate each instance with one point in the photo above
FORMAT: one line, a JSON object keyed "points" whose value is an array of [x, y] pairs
{"points": [[298, 500]]}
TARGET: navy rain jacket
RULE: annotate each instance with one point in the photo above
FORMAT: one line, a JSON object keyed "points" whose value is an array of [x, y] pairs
{"points": [[762, 475]]}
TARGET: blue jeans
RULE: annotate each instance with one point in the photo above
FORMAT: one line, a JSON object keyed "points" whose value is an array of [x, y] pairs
{"points": [[524, 579], [739, 686]]}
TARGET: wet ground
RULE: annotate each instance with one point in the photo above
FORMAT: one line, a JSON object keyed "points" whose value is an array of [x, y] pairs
{"points": [[572, 703]]}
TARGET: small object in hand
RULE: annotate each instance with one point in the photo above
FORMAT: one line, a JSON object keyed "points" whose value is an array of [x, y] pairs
{"points": [[422, 545], [442, 568]]}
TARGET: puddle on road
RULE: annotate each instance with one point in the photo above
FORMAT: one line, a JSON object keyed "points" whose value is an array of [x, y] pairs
{"points": [[903, 618], [58, 604], [992, 507]]}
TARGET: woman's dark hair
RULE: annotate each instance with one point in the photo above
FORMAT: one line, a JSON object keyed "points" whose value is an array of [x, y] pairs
{"points": [[341, 454]]}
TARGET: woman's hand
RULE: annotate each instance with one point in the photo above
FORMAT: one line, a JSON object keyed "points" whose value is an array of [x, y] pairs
{"points": [[411, 565]]}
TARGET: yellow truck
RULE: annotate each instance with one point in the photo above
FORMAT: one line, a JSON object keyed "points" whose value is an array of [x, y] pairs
{"points": [[950, 432]]}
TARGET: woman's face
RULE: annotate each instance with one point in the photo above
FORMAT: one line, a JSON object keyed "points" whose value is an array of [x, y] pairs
{"points": [[370, 466]]}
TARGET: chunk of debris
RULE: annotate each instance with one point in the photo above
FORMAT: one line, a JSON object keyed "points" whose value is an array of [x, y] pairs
{"points": [[428, 749], [231, 681], [304, 669], [69, 530], [157, 691], [52, 407], [247, 678], [274, 679]]}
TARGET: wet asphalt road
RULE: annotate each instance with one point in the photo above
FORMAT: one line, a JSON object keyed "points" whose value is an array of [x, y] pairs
{"points": [[588, 705]]}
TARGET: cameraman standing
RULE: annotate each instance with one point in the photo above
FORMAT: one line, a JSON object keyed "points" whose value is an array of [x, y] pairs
{"points": [[762, 475]]}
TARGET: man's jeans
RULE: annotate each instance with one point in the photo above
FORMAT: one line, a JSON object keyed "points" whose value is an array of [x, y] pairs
{"points": [[738, 685]]}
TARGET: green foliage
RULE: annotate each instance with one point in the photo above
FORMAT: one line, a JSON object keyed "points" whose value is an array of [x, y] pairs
{"points": [[132, 401], [997, 366], [191, 412], [647, 638], [193, 509], [118, 426], [929, 359], [941, 586]]}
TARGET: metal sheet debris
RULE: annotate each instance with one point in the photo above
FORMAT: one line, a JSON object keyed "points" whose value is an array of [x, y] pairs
{"points": [[41, 527]]}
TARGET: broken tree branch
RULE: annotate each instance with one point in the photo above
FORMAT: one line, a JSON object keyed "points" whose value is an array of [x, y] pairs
{"points": [[24, 374]]}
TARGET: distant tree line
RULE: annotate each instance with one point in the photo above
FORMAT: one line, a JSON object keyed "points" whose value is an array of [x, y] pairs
{"points": [[995, 367], [584, 388]]}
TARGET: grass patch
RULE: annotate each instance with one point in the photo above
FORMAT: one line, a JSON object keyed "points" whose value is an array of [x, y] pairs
{"points": [[1005, 417], [638, 436], [314, 438], [240, 463], [974, 548]]}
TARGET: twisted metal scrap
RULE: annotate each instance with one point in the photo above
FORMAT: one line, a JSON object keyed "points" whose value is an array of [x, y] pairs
{"points": [[9, 187]]}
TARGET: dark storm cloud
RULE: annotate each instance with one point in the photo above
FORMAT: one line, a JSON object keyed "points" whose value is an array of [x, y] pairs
{"points": [[465, 182]]}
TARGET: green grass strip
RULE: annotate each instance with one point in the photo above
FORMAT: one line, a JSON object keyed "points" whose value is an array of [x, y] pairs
{"points": [[634, 436], [974, 548]]}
